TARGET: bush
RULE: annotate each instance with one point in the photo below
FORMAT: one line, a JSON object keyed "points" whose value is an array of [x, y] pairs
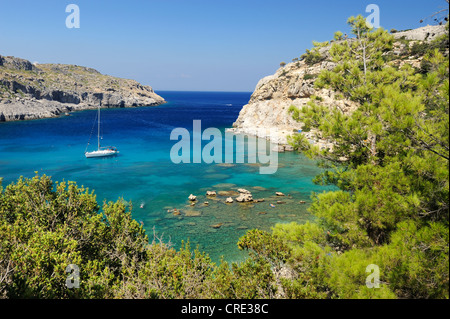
{"points": [[46, 226], [419, 48], [338, 36], [312, 57], [308, 76]]}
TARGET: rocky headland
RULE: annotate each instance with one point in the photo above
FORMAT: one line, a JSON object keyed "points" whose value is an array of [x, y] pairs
{"points": [[293, 84], [34, 91]]}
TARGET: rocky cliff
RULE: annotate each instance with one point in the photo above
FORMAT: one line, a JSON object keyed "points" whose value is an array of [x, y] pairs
{"points": [[293, 84], [29, 91]]}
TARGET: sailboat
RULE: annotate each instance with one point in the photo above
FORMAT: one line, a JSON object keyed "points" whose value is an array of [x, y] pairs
{"points": [[101, 151]]}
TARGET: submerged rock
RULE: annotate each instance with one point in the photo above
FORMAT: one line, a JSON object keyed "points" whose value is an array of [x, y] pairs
{"points": [[226, 165], [259, 188], [176, 212], [224, 185], [227, 193], [192, 213]]}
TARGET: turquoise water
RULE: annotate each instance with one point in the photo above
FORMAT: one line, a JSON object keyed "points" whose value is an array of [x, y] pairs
{"points": [[144, 175]]}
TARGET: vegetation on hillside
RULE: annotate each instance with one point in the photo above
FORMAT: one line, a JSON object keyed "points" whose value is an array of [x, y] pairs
{"points": [[390, 162], [60, 82]]}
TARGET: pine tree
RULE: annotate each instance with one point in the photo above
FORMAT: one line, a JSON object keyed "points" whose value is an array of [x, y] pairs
{"points": [[390, 161]]}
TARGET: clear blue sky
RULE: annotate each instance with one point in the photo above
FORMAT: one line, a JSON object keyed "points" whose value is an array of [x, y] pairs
{"points": [[199, 45]]}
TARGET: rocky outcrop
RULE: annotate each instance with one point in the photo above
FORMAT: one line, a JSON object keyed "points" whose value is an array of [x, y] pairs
{"points": [[269, 105], [29, 91], [16, 63], [427, 33], [293, 84]]}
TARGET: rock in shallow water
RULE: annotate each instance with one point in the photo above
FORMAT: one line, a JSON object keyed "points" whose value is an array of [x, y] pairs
{"points": [[243, 198]]}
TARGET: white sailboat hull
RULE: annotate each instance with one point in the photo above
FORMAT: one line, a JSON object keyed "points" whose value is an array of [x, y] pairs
{"points": [[101, 153]]}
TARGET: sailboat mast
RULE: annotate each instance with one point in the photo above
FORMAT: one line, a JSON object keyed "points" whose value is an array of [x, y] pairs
{"points": [[98, 133]]}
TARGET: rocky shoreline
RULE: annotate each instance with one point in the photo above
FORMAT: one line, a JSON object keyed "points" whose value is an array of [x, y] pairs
{"points": [[34, 91], [293, 85]]}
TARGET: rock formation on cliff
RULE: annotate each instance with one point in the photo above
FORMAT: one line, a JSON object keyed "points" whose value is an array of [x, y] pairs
{"points": [[29, 91], [293, 84]]}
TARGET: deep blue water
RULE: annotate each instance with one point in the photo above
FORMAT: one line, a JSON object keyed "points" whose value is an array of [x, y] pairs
{"points": [[143, 173]]}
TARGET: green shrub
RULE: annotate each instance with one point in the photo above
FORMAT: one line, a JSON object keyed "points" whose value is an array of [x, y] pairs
{"points": [[312, 57], [46, 226], [308, 76], [419, 48]]}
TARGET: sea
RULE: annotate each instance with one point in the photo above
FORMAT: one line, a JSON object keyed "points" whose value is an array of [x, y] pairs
{"points": [[155, 188]]}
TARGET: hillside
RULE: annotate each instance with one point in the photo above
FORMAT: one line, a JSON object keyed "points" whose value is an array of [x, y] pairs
{"points": [[293, 84], [29, 91]]}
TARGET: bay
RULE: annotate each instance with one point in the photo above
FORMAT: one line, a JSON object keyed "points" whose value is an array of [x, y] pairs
{"points": [[144, 175]]}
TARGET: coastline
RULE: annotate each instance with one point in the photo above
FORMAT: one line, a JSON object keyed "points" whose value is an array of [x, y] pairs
{"points": [[294, 85], [34, 91], [26, 110]]}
